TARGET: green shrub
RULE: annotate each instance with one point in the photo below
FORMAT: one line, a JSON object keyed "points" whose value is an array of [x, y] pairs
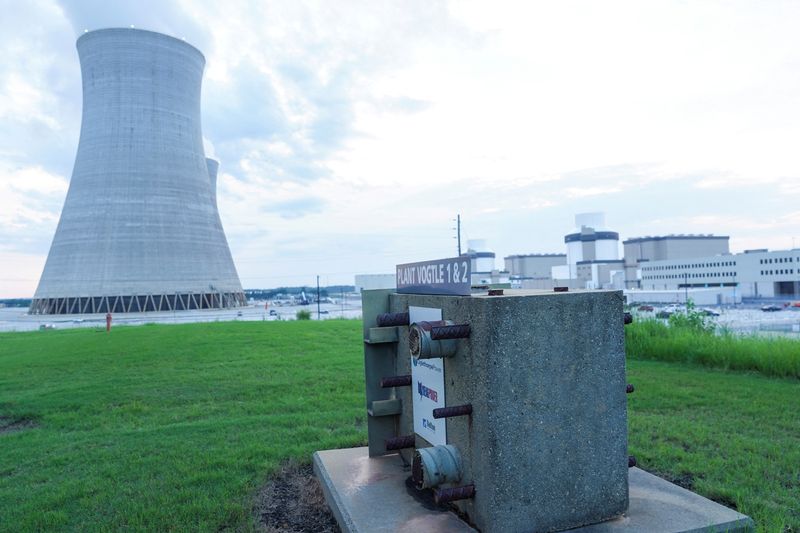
{"points": [[687, 340], [692, 320], [303, 314]]}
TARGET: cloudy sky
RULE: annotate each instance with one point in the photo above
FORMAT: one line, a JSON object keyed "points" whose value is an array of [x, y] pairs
{"points": [[350, 134]]}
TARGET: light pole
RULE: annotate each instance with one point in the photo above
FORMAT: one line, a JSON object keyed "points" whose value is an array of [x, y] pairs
{"points": [[686, 290]]}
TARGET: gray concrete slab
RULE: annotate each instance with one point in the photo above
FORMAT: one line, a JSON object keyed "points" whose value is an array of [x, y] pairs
{"points": [[369, 494]]}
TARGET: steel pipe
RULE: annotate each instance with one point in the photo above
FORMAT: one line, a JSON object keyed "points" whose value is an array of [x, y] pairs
{"points": [[454, 493], [392, 319], [422, 344], [435, 466], [395, 381], [455, 410], [399, 443], [454, 331]]}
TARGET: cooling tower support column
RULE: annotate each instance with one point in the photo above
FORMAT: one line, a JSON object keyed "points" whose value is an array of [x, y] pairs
{"points": [[139, 230]]}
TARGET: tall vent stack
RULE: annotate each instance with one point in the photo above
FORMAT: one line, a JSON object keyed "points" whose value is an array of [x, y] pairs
{"points": [[140, 230]]}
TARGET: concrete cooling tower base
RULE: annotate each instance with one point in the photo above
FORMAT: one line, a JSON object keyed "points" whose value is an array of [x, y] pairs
{"points": [[137, 303]]}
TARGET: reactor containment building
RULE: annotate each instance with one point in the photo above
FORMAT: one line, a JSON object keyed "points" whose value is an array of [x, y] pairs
{"points": [[139, 230]]}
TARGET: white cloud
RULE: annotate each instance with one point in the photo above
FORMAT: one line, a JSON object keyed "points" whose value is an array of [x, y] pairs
{"points": [[351, 133]]}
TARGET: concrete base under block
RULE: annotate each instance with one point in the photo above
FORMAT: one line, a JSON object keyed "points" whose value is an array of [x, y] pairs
{"points": [[370, 495]]}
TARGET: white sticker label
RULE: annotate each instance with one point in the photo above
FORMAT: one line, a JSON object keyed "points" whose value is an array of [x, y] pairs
{"points": [[427, 381]]}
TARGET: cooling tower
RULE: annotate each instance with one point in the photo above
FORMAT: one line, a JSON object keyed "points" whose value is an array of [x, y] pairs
{"points": [[140, 229]]}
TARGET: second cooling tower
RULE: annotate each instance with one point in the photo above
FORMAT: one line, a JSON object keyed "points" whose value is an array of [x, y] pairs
{"points": [[139, 230]]}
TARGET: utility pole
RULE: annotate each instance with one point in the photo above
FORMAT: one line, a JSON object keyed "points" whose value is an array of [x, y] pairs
{"points": [[318, 312], [458, 233]]}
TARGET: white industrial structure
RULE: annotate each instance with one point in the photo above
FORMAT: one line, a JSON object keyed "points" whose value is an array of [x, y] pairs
{"points": [[139, 230], [754, 273], [592, 254], [642, 250], [482, 264], [368, 282]]}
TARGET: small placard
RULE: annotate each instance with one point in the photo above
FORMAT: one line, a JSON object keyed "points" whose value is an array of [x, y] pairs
{"points": [[441, 276], [427, 379]]}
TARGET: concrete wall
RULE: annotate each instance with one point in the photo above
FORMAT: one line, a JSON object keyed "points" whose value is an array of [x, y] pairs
{"points": [[140, 215]]}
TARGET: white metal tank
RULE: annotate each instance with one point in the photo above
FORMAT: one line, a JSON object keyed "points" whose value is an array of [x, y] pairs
{"points": [[482, 258]]}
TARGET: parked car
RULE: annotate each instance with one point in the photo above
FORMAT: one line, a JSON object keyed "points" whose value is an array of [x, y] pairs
{"points": [[771, 308], [669, 310], [273, 312], [709, 311], [645, 308]]}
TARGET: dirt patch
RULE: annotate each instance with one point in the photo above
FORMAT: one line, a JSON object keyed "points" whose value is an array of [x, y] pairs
{"points": [[685, 480], [11, 425], [292, 502]]}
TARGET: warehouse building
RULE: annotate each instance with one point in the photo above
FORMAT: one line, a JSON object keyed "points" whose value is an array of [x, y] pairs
{"points": [[754, 273], [533, 271], [640, 250]]}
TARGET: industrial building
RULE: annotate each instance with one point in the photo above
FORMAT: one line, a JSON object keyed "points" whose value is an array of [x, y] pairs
{"points": [[591, 259], [139, 230], [482, 264], [753, 274], [533, 266], [641, 250], [368, 282]]}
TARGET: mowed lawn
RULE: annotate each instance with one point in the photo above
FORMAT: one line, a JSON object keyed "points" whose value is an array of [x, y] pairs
{"points": [[169, 427], [175, 427]]}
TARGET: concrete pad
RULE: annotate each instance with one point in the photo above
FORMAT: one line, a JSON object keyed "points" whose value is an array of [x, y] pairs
{"points": [[369, 494], [658, 506]]}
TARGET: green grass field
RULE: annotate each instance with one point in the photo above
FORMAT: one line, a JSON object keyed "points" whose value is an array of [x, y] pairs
{"points": [[175, 427]]}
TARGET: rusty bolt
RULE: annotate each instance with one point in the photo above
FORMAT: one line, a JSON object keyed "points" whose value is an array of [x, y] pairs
{"points": [[628, 319], [395, 381], [495, 292], [455, 410], [629, 388], [456, 331], [398, 443], [453, 493], [392, 319], [631, 461]]}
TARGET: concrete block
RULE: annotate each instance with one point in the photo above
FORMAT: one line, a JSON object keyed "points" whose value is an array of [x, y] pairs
{"points": [[546, 444]]}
